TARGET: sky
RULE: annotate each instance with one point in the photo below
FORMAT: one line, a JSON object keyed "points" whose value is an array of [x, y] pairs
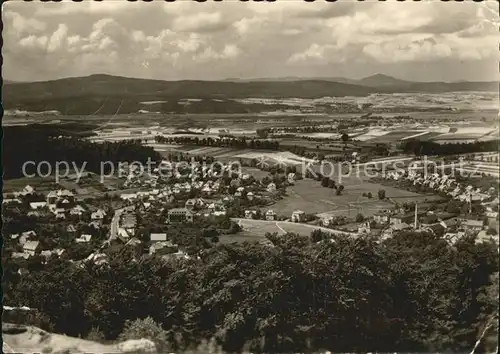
{"points": [[420, 41]]}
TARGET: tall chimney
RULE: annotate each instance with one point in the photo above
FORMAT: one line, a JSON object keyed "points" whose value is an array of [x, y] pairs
{"points": [[416, 219]]}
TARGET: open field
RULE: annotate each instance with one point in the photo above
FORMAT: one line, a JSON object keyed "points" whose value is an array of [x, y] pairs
{"points": [[225, 153], [40, 184], [88, 186], [392, 137], [255, 230], [309, 196]]}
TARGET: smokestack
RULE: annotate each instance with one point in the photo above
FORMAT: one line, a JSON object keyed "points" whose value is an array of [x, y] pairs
{"points": [[416, 219]]}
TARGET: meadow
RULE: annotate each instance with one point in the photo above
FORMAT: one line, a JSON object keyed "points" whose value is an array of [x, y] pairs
{"points": [[308, 195], [255, 230]]}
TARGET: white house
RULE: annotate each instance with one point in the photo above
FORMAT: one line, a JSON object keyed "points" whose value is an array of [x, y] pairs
{"points": [[250, 214], [77, 210], [298, 216], [158, 237], [97, 258], [85, 238], [271, 187], [26, 236], [27, 190], [271, 215], [37, 205], [129, 196], [98, 215], [31, 247]]}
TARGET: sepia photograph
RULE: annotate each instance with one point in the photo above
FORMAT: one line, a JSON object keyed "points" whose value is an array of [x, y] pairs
{"points": [[215, 177]]}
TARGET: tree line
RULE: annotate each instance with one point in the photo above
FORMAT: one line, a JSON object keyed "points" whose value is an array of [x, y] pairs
{"points": [[54, 144], [231, 142], [430, 148]]}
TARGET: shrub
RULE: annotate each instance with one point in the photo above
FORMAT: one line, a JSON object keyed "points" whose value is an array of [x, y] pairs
{"points": [[360, 218], [145, 328], [381, 194], [492, 231], [95, 335]]}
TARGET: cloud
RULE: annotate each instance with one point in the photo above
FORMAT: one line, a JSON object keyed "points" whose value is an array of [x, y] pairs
{"points": [[314, 52], [230, 51], [201, 22], [58, 38], [432, 48], [249, 39]]}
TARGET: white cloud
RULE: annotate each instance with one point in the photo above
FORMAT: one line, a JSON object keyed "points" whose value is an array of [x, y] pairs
{"points": [[34, 42], [199, 22], [58, 38], [23, 25], [230, 51], [235, 38]]}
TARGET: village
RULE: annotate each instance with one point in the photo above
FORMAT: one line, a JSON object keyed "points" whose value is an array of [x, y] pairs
{"points": [[225, 206]]}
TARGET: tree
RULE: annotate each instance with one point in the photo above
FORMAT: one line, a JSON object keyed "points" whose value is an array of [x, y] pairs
{"points": [[369, 195], [360, 218], [492, 231], [453, 207], [145, 328], [381, 194], [262, 133]]}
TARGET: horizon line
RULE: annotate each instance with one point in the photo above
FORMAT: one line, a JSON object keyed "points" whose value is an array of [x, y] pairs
{"points": [[255, 79]]}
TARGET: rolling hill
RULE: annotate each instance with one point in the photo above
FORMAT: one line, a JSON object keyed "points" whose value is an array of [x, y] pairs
{"points": [[85, 95]]}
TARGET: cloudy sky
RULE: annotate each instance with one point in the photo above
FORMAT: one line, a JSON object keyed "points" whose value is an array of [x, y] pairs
{"points": [[426, 41]]}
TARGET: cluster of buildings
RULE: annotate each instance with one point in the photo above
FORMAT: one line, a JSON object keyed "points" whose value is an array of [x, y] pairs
{"points": [[452, 225], [445, 184], [30, 246]]}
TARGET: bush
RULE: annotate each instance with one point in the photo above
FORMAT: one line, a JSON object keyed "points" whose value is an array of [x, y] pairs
{"points": [[381, 194], [145, 328], [360, 218], [95, 335], [492, 231]]}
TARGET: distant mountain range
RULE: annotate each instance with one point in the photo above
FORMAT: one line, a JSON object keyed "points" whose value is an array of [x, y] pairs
{"points": [[377, 80], [91, 90]]}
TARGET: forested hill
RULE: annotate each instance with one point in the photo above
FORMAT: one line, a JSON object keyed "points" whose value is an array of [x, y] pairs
{"points": [[81, 94], [54, 143], [411, 293]]}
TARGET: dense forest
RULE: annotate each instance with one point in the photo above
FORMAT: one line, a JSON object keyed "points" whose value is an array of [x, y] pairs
{"points": [[59, 143], [411, 293], [429, 148]]}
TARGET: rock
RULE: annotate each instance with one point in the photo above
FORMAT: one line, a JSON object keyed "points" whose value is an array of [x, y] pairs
{"points": [[135, 345], [13, 329]]}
